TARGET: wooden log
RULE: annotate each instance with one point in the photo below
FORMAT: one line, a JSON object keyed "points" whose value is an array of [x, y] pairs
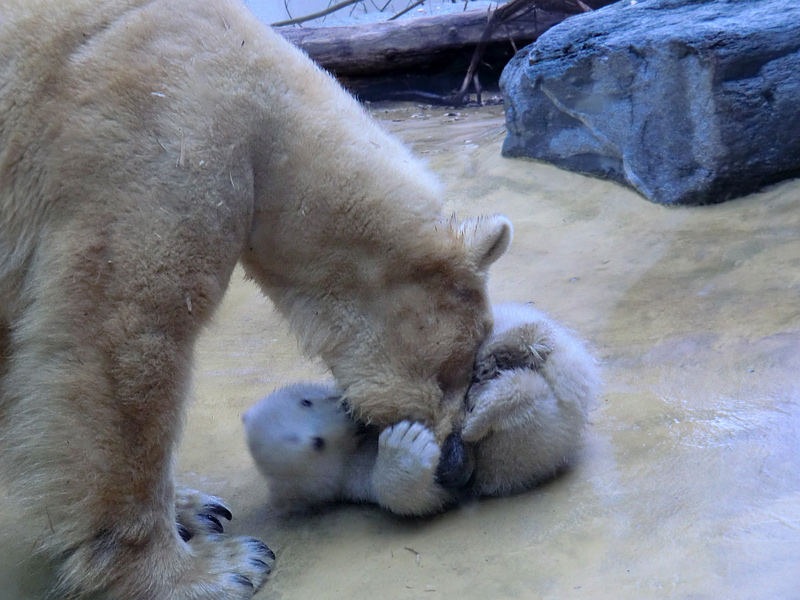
{"points": [[377, 48]]}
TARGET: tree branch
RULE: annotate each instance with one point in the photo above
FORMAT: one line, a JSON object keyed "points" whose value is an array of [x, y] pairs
{"points": [[317, 15]]}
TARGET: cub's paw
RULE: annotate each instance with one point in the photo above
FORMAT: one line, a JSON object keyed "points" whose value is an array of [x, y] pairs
{"points": [[485, 369], [410, 447], [524, 347], [480, 416], [404, 477], [198, 513], [540, 345]]}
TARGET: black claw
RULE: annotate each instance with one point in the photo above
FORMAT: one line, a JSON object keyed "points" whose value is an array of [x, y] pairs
{"points": [[260, 564], [260, 546], [219, 510], [244, 581], [212, 522], [183, 532]]}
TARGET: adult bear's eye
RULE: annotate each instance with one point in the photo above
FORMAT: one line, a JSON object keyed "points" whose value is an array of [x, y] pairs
{"points": [[306, 402], [319, 444]]}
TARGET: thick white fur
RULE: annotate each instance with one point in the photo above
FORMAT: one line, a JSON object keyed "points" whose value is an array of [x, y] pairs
{"points": [[526, 422], [353, 463], [146, 146], [525, 418], [313, 447]]}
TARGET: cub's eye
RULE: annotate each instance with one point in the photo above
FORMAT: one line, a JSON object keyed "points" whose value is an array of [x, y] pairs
{"points": [[319, 444], [306, 402]]}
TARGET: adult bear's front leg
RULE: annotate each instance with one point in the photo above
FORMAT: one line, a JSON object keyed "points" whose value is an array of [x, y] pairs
{"points": [[92, 405]]}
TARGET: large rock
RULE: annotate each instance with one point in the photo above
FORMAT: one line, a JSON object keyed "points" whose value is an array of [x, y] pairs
{"points": [[687, 101]]}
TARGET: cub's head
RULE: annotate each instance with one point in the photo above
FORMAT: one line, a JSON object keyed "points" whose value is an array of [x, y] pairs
{"points": [[415, 333], [300, 439]]}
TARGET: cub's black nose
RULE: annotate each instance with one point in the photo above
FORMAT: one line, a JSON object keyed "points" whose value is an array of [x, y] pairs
{"points": [[456, 463]]}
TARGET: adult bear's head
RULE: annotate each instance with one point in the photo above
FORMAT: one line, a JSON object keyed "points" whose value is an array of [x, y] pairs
{"points": [[404, 346]]}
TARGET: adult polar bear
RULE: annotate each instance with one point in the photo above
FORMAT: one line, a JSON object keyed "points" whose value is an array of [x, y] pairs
{"points": [[145, 147]]}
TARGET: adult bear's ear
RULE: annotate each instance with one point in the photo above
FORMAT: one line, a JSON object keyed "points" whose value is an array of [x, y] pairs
{"points": [[486, 239]]}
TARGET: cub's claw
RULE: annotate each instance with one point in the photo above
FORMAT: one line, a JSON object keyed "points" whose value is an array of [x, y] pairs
{"points": [[484, 370]]}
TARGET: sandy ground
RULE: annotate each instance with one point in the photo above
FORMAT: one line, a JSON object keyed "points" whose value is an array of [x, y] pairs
{"points": [[688, 486]]}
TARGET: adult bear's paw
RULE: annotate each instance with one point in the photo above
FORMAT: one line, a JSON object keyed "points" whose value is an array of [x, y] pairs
{"points": [[240, 565], [198, 513], [237, 566]]}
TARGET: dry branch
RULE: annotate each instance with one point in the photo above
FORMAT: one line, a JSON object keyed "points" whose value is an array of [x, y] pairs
{"points": [[432, 46], [317, 15], [506, 13], [372, 48]]}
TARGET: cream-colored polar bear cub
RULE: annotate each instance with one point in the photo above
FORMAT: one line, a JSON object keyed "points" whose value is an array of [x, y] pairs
{"points": [[525, 414]]}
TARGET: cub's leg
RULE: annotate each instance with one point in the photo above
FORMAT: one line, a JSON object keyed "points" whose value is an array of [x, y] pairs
{"points": [[495, 401], [504, 402], [90, 411], [404, 477], [558, 364], [573, 375], [525, 346]]}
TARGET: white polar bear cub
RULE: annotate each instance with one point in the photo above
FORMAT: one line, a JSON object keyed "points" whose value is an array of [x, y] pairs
{"points": [[525, 414]]}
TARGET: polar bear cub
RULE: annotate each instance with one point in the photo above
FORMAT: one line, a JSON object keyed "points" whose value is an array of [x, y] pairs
{"points": [[528, 406], [525, 414], [305, 444]]}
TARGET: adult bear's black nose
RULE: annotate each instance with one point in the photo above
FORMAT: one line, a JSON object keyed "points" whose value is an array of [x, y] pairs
{"points": [[456, 463]]}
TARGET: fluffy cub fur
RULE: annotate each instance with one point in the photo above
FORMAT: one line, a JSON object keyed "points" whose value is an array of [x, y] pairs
{"points": [[146, 146], [310, 447], [525, 414]]}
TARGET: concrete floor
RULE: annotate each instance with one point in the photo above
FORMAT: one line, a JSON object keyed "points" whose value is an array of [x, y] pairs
{"points": [[688, 487]]}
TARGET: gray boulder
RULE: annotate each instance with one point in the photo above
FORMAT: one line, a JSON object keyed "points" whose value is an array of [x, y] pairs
{"points": [[686, 101]]}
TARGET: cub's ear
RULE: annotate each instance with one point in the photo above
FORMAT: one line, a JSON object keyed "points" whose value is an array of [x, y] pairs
{"points": [[486, 238]]}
